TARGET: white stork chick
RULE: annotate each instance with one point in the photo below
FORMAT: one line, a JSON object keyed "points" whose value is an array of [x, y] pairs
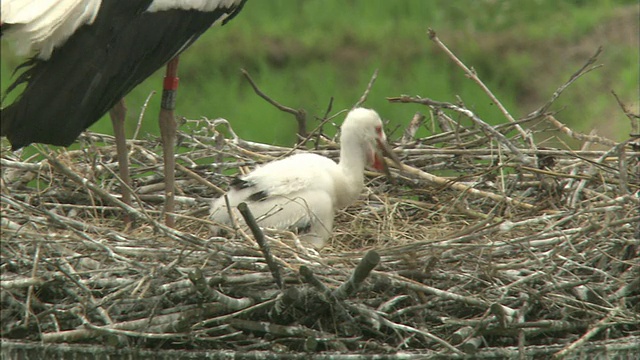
{"points": [[302, 192]]}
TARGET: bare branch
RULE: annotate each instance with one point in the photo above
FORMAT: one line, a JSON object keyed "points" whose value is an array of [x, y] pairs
{"points": [[474, 76], [300, 115], [364, 96]]}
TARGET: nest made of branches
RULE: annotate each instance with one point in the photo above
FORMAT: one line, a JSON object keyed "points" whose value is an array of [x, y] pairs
{"points": [[484, 245]]}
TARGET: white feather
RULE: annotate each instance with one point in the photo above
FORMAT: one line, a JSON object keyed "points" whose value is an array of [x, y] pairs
{"points": [[38, 27], [304, 190], [200, 5]]}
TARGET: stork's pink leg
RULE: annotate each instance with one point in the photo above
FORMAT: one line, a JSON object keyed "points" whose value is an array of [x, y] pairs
{"points": [[168, 134], [117, 114]]}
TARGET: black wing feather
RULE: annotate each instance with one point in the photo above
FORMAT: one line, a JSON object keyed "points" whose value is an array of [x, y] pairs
{"points": [[96, 67]]}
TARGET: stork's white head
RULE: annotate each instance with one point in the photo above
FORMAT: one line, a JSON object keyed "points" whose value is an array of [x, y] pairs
{"points": [[363, 129]]}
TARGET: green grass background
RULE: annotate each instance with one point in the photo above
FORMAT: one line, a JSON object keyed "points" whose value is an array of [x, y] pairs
{"points": [[304, 52]]}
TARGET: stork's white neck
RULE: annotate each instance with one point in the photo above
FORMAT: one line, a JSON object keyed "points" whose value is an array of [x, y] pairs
{"points": [[353, 158]]}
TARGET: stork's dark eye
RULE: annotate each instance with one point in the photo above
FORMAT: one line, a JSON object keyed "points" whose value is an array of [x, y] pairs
{"points": [[379, 130]]}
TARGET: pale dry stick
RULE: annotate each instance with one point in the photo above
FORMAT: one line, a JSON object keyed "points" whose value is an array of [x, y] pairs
{"points": [[409, 133], [172, 233], [149, 155], [505, 315], [520, 319], [556, 174], [111, 253], [25, 166], [142, 111], [583, 70], [82, 333], [576, 194], [389, 305], [473, 76], [448, 133], [443, 294], [77, 227], [503, 247], [471, 115], [603, 323], [634, 134], [463, 188], [444, 122], [594, 270], [80, 228], [317, 133], [124, 291], [462, 334], [22, 283], [103, 330], [159, 198], [280, 330], [501, 168], [234, 222], [91, 137], [573, 155], [622, 171], [597, 349], [131, 191], [508, 225], [243, 145], [233, 333], [223, 318], [70, 272], [488, 319], [34, 273], [628, 287], [198, 144], [189, 161], [577, 135], [199, 178], [595, 164], [200, 283], [379, 317], [364, 96], [525, 279]]}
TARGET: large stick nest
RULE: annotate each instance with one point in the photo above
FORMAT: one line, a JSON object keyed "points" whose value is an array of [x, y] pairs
{"points": [[485, 244]]}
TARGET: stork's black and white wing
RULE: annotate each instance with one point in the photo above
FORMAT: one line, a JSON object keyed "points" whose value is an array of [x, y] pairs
{"points": [[295, 193], [91, 53]]}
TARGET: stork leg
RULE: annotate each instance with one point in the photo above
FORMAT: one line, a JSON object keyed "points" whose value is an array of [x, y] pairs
{"points": [[117, 114], [168, 133]]}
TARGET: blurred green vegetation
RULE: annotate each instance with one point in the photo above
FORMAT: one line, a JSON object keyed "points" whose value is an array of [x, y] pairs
{"points": [[304, 52]]}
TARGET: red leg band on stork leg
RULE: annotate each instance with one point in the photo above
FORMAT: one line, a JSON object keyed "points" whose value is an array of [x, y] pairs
{"points": [[170, 85]]}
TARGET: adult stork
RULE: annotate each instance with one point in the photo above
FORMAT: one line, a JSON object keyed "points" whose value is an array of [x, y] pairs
{"points": [[302, 192], [88, 54]]}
